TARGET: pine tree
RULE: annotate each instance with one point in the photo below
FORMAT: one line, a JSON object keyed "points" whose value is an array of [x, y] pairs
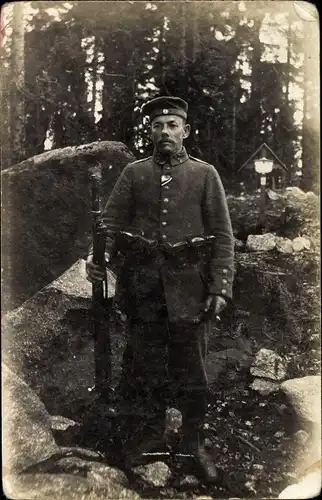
{"points": [[17, 85]]}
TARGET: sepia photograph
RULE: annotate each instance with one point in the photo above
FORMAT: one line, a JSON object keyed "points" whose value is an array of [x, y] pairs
{"points": [[160, 250]]}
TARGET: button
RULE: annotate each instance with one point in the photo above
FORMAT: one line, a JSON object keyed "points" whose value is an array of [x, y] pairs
{"points": [[166, 187], [225, 271], [164, 236], [224, 282], [163, 223], [167, 167], [164, 211], [223, 291], [165, 200]]}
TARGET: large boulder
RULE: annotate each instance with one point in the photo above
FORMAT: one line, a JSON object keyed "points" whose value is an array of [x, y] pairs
{"points": [[46, 213], [48, 341], [305, 396], [308, 487], [88, 483], [27, 438], [288, 213], [34, 466], [281, 293]]}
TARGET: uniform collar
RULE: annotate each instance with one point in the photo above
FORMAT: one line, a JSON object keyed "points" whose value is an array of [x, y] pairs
{"points": [[173, 160]]}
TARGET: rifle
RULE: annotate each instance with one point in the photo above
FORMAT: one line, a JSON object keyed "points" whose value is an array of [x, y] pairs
{"points": [[101, 309]]}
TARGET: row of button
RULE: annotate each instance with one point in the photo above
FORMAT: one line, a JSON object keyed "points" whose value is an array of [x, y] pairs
{"points": [[165, 200], [224, 282]]}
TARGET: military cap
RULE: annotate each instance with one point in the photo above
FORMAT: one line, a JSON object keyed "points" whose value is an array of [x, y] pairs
{"points": [[165, 105]]}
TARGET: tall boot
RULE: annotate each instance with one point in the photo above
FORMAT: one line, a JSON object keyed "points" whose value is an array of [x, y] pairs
{"points": [[193, 409], [144, 435], [192, 442]]}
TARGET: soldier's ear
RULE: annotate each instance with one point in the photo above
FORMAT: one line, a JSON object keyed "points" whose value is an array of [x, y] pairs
{"points": [[187, 130]]}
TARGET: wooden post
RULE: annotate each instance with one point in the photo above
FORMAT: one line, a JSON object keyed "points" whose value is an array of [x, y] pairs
{"points": [[262, 201]]}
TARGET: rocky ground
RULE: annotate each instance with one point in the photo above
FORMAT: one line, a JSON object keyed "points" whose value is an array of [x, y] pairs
{"points": [[263, 423]]}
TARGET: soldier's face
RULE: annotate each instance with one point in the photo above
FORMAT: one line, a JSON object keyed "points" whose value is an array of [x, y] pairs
{"points": [[168, 133]]}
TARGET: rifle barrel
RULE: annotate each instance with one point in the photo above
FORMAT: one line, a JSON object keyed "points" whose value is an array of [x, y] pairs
{"points": [[99, 301]]}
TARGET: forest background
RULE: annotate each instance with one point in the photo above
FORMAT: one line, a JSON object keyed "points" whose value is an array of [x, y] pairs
{"points": [[77, 72]]}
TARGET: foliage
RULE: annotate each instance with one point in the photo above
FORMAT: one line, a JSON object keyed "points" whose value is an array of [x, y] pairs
{"points": [[131, 51]]}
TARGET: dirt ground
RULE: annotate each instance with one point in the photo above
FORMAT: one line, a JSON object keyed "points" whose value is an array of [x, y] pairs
{"points": [[251, 436]]}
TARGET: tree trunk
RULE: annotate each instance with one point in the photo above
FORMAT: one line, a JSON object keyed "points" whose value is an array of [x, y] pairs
{"points": [[233, 131], [94, 77], [194, 31], [289, 150], [256, 90], [17, 107], [5, 153], [183, 39], [311, 118]]}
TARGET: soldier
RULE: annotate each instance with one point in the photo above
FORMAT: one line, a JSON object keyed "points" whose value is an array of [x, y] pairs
{"points": [[169, 198]]}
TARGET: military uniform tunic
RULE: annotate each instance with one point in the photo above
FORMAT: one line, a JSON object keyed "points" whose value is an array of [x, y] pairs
{"points": [[170, 201]]}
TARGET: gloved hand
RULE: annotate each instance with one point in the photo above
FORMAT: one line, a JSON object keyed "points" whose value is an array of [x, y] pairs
{"points": [[214, 305]]}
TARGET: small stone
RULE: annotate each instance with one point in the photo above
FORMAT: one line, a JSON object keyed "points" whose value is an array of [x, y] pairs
{"points": [[189, 481], [59, 423], [258, 466], [291, 475], [279, 434], [284, 245], [239, 243], [264, 387], [295, 192], [250, 486], [102, 474], [268, 364], [273, 195], [157, 474], [310, 196], [173, 420], [261, 242], [300, 243], [301, 437]]}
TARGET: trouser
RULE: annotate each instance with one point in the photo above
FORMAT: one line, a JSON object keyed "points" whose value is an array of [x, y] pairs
{"points": [[164, 365]]}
